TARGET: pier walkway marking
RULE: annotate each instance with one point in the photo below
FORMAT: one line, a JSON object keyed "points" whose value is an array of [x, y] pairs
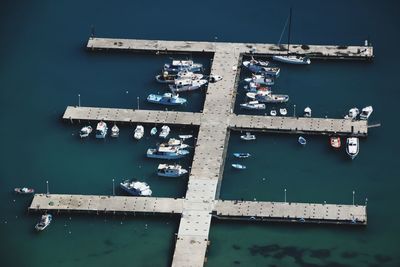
{"points": [[200, 202]]}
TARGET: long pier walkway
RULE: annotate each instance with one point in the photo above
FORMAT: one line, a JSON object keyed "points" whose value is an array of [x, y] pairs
{"points": [[201, 201]]}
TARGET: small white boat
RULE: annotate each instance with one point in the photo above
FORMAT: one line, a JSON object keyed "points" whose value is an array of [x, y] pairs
{"points": [[292, 59], [115, 131], [248, 137], [260, 79], [241, 155], [307, 112], [256, 87], [238, 166], [24, 190], [302, 140], [136, 188], [283, 111], [366, 112], [85, 131], [101, 130], [335, 141], [168, 99], [215, 78], [273, 112], [182, 85], [153, 131], [45, 221], [353, 113], [352, 147], [139, 132], [167, 77], [179, 65], [185, 136], [172, 142], [164, 131], [166, 170], [268, 97], [253, 105]]}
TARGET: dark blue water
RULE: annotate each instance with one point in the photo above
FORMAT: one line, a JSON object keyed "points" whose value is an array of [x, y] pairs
{"points": [[44, 66]]}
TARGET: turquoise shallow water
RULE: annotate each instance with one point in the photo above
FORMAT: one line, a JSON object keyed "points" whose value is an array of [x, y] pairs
{"points": [[44, 66]]}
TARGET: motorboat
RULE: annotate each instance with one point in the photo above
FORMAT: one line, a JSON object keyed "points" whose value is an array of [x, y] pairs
{"points": [[174, 143], [252, 95], [115, 131], [255, 65], [283, 111], [85, 131], [352, 147], [273, 112], [292, 59], [139, 132], [136, 188], [255, 87], [271, 98], [182, 85], [253, 105], [302, 140], [215, 78], [24, 190], [166, 99], [260, 79], [238, 166], [166, 152], [179, 65], [101, 130], [248, 137], [164, 131], [335, 141], [241, 155], [153, 131], [353, 113], [185, 136], [307, 112], [366, 112], [45, 221], [167, 77], [166, 170]]}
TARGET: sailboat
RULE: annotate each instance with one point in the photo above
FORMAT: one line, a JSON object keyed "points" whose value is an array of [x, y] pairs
{"points": [[291, 59]]}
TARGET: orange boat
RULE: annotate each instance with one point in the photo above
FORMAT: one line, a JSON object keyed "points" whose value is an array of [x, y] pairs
{"points": [[335, 141]]}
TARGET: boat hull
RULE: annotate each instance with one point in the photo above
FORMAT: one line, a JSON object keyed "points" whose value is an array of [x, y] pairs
{"points": [[292, 60]]}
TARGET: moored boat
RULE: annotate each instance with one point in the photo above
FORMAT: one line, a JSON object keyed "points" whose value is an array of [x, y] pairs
{"points": [[307, 112], [253, 105], [353, 113], [255, 65], [302, 140], [101, 130], [335, 141], [366, 112], [182, 85], [24, 190], [260, 79], [136, 188], [45, 221], [271, 98], [85, 131], [166, 99], [292, 59], [283, 111], [241, 155], [255, 87], [167, 77], [166, 170], [248, 137], [179, 65], [115, 131], [352, 147], [153, 131], [174, 143], [164, 131], [273, 112], [139, 132], [185, 136], [168, 152], [238, 166]]}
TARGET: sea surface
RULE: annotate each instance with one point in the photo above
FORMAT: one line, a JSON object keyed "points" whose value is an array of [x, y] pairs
{"points": [[44, 67]]}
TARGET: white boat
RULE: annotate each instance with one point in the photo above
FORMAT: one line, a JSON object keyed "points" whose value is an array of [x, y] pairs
{"points": [[168, 99], [302, 140], [136, 188], [139, 132], [283, 111], [101, 130], [252, 95], [366, 112], [352, 147], [166, 170], [179, 65], [164, 131], [255, 87], [291, 59], [166, 152], [215, 78], [241, 155], [248, 137], [85, 131], [153, 131], [260, 79], [253, 105], [238, 166], [172, 142], [167, 77], [182, 85], [24, 190], [353, 113], [307, 112], [45, 221], [185, 136], [273, 112], [260, 67], [115, 131], [271, 98]]}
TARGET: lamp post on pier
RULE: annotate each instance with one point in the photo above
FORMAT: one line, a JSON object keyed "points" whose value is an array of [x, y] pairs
{"points": [[353, 196], [79, 100], [137, 103], [285, 195], [113, 187], [294, 110], [47, 188]]}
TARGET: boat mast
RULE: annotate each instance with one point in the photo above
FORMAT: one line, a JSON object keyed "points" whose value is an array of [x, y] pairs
{"points": [[290, 24]]}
